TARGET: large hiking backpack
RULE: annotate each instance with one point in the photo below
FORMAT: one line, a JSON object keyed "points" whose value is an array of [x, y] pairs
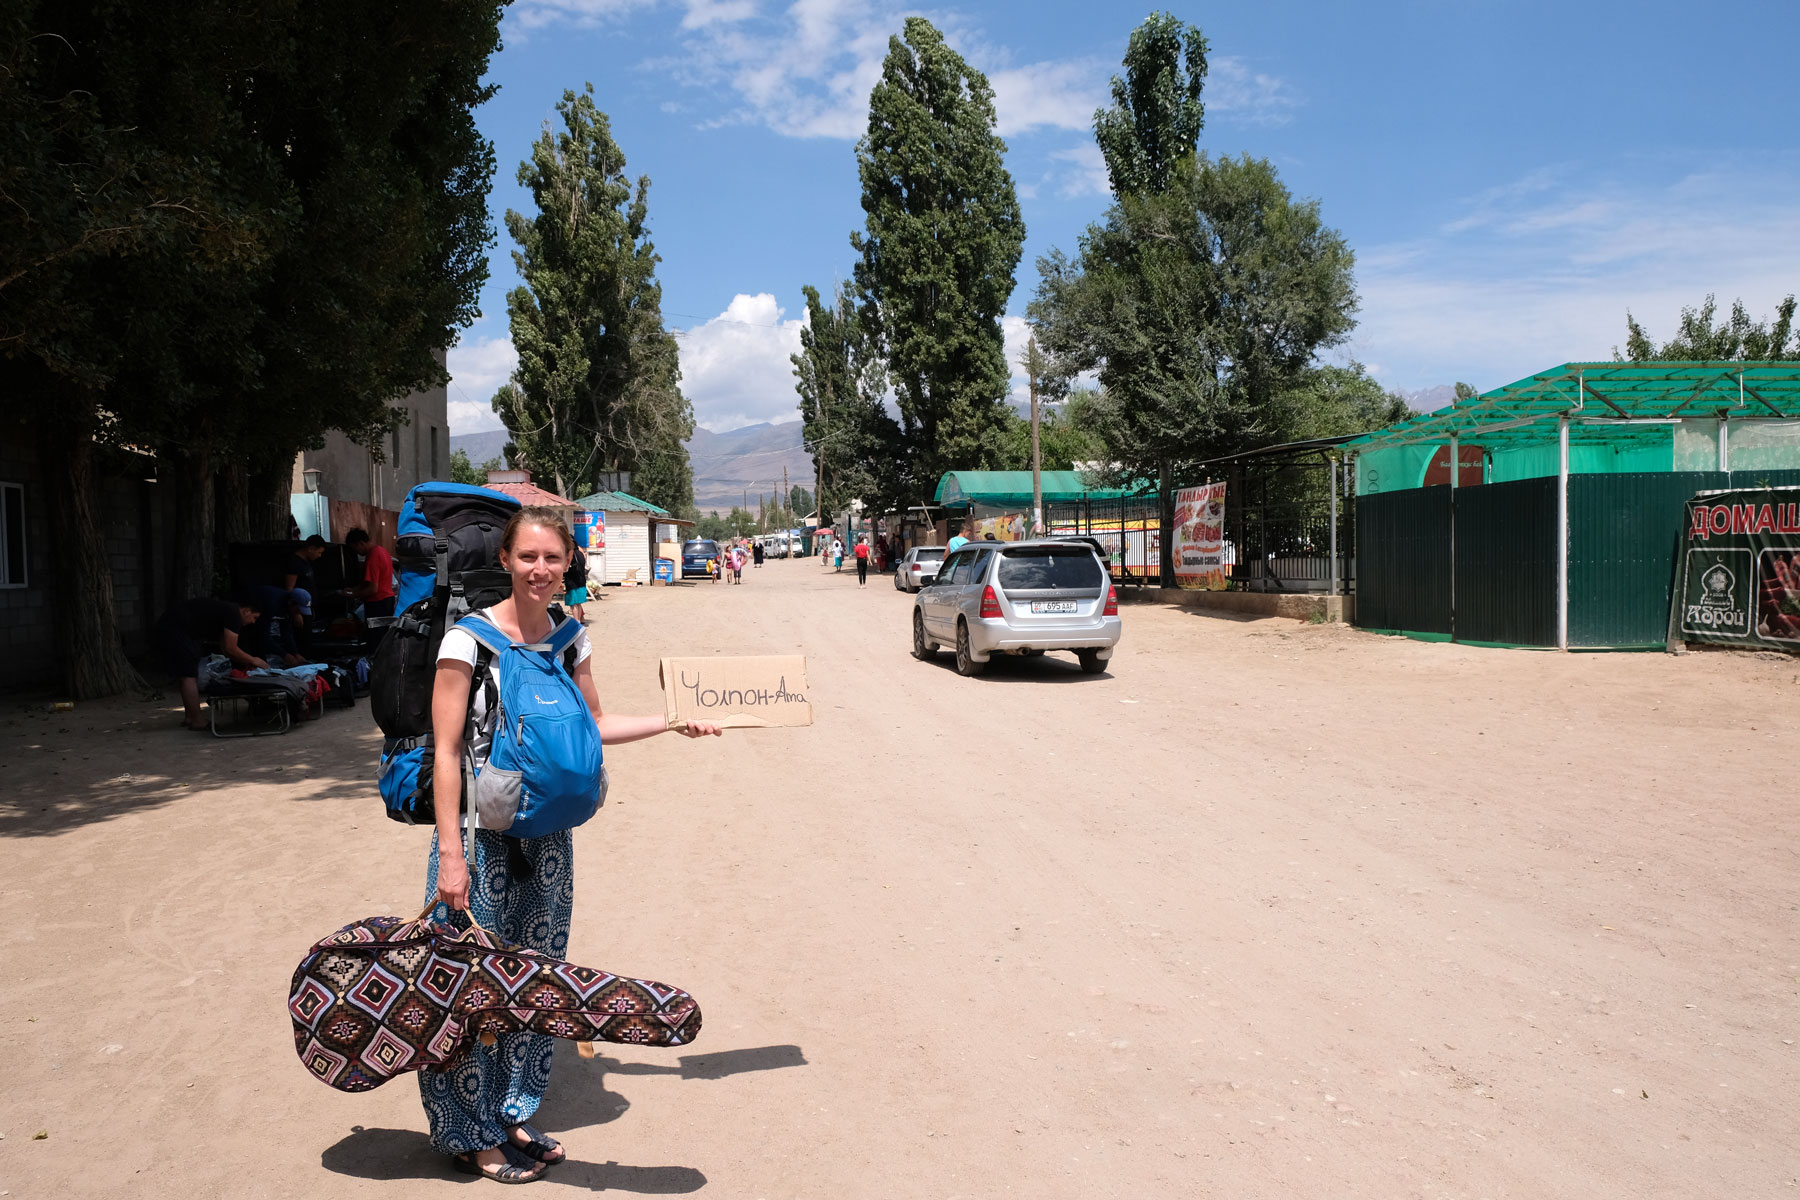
{"points": [[538, 763], [448, 563]]}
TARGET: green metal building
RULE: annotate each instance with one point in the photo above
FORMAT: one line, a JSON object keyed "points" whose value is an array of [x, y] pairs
{"points": [[1560, 524]]}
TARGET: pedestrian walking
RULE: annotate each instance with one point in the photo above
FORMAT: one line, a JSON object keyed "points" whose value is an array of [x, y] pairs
{"points": [[837, 554], [757, 554], [521, 889], [575, 592], [862, 562]]}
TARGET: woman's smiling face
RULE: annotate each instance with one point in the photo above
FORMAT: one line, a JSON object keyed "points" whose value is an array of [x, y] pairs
{"points": [[536, 561]]}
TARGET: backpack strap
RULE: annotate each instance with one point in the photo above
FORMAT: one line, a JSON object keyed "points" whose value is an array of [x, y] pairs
{"points": [[486, 634], [562, 641]]}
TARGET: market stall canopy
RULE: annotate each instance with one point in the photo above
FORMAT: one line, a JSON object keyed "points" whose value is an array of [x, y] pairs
{"points": [[614, 502], [1607, 402], [959, 489]]}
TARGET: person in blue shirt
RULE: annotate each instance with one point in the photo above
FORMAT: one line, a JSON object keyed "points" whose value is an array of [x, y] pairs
{"points": [[956, 542]]}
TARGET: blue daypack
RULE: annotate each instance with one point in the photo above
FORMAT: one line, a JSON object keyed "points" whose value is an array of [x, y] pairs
{"points": [[448, 563], [542, 771]]}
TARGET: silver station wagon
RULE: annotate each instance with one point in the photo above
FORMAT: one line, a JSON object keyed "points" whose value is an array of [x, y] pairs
{"points": [[1018, 598]]}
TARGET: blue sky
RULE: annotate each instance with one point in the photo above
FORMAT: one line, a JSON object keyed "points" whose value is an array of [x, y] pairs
{"points": [[1512, 175]]}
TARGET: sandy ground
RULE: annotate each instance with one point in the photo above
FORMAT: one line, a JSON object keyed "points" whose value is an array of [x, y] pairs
{"points": [[1270, 910]]}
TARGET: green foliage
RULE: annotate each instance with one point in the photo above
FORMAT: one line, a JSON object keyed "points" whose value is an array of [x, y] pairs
{"points": [[463, 471], [1156, 115], [1199, 306], [800, 501], [712, 525], [1328, 401], [1466, 391], [941, 240], [1063, 439], [597, 387], [1699, 339], [856, 446]]}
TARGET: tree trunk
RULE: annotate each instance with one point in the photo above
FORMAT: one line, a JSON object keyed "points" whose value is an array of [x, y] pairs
{"points": [[1165, 496], [190, 474], [233, 500], [270, 514], [87, 625]]}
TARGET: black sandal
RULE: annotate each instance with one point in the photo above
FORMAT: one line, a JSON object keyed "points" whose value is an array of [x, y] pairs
{"points": [[539, 1148], [519, 1167]]}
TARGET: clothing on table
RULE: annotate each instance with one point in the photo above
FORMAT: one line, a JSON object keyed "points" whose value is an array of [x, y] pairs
{"points": [[184, 631], [472, 1105]]}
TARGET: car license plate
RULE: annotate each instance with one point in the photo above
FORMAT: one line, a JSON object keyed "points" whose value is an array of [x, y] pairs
{"points": [[1052, 606]]}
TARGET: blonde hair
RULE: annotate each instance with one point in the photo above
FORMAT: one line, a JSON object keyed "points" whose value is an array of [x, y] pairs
{"points": [[544, 517]]}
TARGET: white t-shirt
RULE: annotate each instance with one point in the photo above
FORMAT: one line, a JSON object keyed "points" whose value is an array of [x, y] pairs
{"points": [[459, 645]]}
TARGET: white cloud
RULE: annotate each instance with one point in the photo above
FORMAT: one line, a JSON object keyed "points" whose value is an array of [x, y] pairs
{"points": [[1055, 95], [477, 369], [735, 368], [535, 14], [1542, 271], [701, 13], [1086, 175], [1247, 96]]}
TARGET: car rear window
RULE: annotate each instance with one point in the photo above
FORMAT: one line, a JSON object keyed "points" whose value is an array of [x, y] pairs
{"points": [[1031, 570], [704, 547], [932, 553]]}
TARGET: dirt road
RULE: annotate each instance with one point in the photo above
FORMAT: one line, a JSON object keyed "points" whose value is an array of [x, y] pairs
{"points": [[1270, 910]]}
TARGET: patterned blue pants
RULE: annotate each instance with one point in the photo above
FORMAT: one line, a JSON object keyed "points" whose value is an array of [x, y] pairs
{"points": [[473, 1104]]}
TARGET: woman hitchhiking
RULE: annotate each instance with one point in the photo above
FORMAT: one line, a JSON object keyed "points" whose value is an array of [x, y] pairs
{"points": [[520, 889]]}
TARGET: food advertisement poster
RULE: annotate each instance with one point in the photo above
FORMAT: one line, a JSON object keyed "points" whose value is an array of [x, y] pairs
{"points": [[1200, 538], [1740, 569], [1000, 527]]}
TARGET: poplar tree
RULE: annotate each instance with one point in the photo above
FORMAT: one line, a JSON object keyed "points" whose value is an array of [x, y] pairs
{"points": [[942, 237], [598, 383], [857, 447]]}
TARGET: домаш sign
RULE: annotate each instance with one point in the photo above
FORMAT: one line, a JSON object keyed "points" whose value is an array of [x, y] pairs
{"points": [[1739, 582]]}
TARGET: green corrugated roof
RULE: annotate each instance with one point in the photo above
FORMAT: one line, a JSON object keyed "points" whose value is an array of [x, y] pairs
{"points": [[1605, 401], [620, 502], [958, 488]]}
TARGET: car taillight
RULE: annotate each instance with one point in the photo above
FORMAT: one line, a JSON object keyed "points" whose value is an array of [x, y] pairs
{"points": [[1112, 602], [990, 603], [917, 568]]}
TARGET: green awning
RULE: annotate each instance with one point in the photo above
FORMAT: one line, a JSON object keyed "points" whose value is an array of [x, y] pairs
{"points": [[1610, 402], [959, 489]]}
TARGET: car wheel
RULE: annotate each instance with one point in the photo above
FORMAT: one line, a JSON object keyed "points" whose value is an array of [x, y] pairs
{"points": [[924, 649], [1091, 662], [965, 660], [897, 586]]}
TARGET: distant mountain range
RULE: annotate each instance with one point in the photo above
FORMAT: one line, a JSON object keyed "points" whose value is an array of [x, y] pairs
{"points": [[1421, 399], [725, 464]]}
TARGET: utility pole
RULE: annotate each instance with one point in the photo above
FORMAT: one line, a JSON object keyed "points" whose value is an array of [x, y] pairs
{"points": [[787, 501], [1037, 461]]}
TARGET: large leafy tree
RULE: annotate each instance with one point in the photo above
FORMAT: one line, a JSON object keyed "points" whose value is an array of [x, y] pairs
{"points": [[1202, 296], [225, 231], [597, 387], [1156, 115], [857, 446], [942, 237], [1704, 337]]}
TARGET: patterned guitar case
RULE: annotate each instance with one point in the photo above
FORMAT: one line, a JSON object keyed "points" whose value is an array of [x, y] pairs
{"points": [[385, 995]]}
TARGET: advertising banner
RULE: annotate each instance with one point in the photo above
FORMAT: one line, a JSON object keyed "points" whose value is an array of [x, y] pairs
{"points": [[1740, 569], [1200, 538]]}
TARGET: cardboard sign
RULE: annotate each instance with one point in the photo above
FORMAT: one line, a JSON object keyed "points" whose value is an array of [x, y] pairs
{"points": [[737, 693]]}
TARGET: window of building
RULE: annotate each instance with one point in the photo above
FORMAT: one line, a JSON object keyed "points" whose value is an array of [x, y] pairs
{"points": [[12, 535]]}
